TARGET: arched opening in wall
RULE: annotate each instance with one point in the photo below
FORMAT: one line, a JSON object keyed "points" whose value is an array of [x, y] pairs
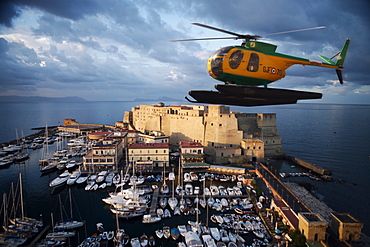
{"points": [[316, 236], [254, 159]]}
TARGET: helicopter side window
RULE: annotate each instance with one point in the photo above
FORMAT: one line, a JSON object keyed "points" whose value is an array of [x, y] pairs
{"points": [[235, 59], [253, 63]]}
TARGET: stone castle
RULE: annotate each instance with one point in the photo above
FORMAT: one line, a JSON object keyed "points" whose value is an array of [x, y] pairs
{"points": [[217, 128]]}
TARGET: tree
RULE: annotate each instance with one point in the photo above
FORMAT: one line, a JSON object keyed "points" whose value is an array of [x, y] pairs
{"points": [[298, 238]]}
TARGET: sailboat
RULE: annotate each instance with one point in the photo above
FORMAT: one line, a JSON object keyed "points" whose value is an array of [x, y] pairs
{"points": [[132, 207], [46, 164], [172, 201], [13, 234], [21, 155], [69, 223], [23, 220]]}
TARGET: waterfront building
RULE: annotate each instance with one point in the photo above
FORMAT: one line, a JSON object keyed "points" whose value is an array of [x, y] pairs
{"points": [[143, 155], [346, 227], [192, 154], [153, 137], [72, 126], [104, 155], [253, 147], [213, 126], [288, 216], [312, 226]]}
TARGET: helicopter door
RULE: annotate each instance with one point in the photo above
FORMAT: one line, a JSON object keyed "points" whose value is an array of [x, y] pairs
{"points": [[253, 62]]}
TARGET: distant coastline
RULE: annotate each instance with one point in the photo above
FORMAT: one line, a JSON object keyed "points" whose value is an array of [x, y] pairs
{"points": [[37, 99]]}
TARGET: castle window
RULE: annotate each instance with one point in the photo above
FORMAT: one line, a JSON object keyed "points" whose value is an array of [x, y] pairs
{"points": [[220, 125]]}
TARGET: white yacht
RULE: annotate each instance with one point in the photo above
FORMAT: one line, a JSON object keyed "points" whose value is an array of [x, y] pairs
{"points": [[73, 178], [60, 180]]}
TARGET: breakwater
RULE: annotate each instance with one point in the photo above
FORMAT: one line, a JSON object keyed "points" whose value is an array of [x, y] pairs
{"points": [[313, 168]]}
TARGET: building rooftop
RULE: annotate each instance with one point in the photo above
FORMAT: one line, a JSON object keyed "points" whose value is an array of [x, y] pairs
{"points": [[287, 212], [345, 218], [312, 217], [149, 145], [188, 144]]}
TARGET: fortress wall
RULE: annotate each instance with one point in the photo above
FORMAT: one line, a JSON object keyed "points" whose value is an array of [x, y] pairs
{"points": [[221, 127], [183, 128], [267, 122], [248, 124], [212, 125]]}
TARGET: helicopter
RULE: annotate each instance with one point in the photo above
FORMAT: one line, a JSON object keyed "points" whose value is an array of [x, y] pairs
{"points": [[243, 68]]}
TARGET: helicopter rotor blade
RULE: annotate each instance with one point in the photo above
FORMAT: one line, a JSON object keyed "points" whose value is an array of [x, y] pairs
{"points": [[217, 29], [293, 31], [177, 40], [291, 43]]}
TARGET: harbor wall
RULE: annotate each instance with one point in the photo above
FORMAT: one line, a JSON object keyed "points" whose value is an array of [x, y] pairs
{"points": [[309, 166]]}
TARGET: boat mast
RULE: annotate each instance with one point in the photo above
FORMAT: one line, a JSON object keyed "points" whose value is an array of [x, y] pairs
{"points": [[21, 195], [70, 202]]}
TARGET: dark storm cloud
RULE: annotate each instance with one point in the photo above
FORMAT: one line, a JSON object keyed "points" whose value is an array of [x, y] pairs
{"points": [[70, 9], [132, 34], [15, 72]]}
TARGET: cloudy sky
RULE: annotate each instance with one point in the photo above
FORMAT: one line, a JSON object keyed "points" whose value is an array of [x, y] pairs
{"points": [[120, 50]]}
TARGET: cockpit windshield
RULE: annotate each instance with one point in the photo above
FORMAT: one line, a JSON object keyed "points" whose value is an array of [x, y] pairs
{"points": [[217, 59]]}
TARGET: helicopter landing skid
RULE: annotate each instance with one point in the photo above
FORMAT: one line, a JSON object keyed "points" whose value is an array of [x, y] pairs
{"points": [[250, 96]]}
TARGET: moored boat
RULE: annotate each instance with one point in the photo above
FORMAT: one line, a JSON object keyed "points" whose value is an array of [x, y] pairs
{"points": [[60, 180]]}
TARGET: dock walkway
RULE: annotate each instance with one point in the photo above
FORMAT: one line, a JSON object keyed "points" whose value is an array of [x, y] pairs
{"points": [[153, 206]]}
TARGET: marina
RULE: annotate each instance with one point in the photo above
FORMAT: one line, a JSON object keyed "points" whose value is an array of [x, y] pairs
{"points": [[64, 182], [94, 210]]}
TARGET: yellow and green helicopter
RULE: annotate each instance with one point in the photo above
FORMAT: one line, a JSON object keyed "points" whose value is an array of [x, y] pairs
{"points": [[243, 68]]}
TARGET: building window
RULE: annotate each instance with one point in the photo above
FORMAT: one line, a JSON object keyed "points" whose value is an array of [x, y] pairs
{"points": [[222, 154], [156, 151]]}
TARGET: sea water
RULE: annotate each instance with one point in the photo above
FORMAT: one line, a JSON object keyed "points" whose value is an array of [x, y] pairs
{"points": [[335, 137]]}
